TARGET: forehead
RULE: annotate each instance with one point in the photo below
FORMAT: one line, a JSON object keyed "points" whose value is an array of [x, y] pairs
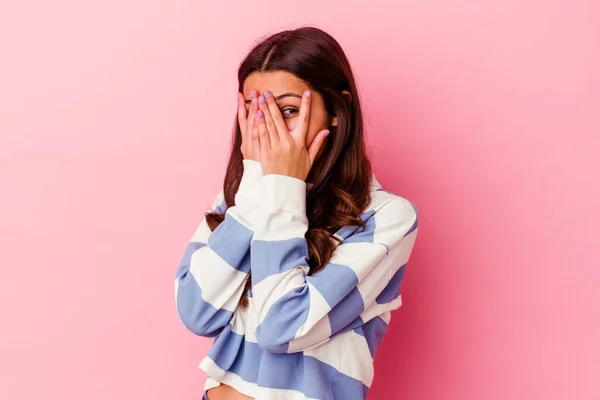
{"points": [[276, 82]]}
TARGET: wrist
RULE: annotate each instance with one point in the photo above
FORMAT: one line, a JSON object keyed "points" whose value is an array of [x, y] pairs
{"points": [[283, 192], [288, 174], [249, 182]]}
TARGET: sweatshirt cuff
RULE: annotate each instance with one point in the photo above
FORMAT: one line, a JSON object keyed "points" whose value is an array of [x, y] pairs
{"points": [[247, 191], [283, 193]]}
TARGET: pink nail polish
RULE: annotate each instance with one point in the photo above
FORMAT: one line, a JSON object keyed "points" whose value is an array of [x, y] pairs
{"points": [[326, 134]]}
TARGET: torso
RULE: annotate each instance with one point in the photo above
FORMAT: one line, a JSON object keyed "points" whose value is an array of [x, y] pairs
{"points": [[224, 392]]}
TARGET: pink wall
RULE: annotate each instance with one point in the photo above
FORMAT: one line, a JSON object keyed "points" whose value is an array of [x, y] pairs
{"points": [[115, 120]]}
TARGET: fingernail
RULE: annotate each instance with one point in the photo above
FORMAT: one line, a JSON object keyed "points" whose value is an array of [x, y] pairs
{"points": [[308, 93], [267, 94], [254, 115], [261, 99], [253, 94], [253, 100], [326, 134], [260, 114]]}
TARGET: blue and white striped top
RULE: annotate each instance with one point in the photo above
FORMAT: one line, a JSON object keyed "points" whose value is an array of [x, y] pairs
{"points": [[301, 337]]}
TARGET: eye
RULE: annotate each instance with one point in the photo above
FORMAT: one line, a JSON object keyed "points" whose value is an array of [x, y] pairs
{"points": [[289, 112]]}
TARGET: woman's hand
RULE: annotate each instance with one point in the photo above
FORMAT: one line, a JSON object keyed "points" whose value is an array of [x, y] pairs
{"points": [[250, 144], [284, 152]]}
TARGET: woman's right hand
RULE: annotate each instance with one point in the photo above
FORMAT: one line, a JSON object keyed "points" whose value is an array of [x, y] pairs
{"points": [[250, 142]]}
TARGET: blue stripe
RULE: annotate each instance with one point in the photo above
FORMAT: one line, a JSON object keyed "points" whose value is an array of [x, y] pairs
{"points": [[415, 224], [347, 231], [298, 372], [221, 208], [347, 311], [231, 352], [184, 265], [373, 332], [392, 290], [273, 257], [283, 320], [334, 282], [364, 234], [231, 241], [358, 322], [295, 371], [348, 388], [197, 315]]}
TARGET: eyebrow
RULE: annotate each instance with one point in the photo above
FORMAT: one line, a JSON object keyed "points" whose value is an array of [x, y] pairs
{"points": [[281, 97]]}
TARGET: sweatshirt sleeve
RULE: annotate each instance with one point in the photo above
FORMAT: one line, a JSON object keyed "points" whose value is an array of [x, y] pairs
{"points": [[211, 277], [295, 311]]}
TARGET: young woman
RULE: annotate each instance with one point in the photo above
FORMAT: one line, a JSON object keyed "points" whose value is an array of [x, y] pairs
{"points": [[298, 263]]}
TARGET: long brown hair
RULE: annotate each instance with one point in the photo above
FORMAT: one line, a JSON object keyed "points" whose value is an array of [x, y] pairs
{"points": [[341, 176]]}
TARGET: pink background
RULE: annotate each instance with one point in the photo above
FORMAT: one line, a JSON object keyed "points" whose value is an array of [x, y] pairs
{"points": [[115, 119]]}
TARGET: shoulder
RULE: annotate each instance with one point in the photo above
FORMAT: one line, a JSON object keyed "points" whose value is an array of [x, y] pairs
{"points": [[389, 216]]}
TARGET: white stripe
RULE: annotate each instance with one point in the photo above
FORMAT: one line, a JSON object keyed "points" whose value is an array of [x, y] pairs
{"points": [[272, 288], [281, 225], [360, 256], [349, 353], [176, 292], [243, 214], [242, 322], [391, 306], [387, 316], [210, 383], [374, 283], [202, 233], [355, 362], [228, 378], [400, 253], [317, 321], [372, 311], [331, 352], [209, 270], [397, 217], [381, 310], [280, 394]]}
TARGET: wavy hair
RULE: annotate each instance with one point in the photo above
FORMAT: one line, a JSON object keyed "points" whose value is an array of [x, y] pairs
{"points": [[341, 175]]}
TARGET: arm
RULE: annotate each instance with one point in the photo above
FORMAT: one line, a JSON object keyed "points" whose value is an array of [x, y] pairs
{"points": [[295, 311], [210, 280]]}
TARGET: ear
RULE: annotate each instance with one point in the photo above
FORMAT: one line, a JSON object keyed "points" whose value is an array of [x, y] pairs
{"points": [[348, 96]]}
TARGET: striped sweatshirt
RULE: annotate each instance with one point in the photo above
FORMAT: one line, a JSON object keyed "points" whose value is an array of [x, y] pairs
{"points": [[302, 336]]}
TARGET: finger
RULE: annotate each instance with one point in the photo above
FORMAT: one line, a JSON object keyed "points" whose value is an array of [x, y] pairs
{"points": [[263, 134], [276, 116], [304, 116], [271, 128], [251, 112], [316, 145], [242, 113]]}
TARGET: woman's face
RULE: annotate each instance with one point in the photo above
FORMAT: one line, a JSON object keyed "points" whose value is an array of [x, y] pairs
{"points": [[287, 90]]}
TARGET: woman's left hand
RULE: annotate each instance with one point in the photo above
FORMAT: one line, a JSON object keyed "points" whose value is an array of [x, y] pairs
{"points": [[284, 152]]}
